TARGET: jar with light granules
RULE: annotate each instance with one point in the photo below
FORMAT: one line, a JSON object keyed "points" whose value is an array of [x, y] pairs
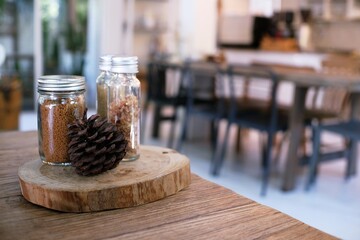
{"points": [[124, 103]]}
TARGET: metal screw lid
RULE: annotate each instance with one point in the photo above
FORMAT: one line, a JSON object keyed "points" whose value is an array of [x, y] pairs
{"points": [[105, 62], [124, 64], [61, 83]]}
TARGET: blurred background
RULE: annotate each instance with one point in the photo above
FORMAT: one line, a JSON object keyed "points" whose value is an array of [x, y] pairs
{"points": [[66, 37], [42, 37]]}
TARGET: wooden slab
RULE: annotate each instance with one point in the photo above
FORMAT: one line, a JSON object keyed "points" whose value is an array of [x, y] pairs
{"points": [[158, 173]]}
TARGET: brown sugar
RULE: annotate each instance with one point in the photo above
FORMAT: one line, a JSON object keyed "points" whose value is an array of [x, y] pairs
{"points": [[102, 100], [55, 116]]}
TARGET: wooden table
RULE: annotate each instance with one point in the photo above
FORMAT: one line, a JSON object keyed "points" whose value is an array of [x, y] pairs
{"points": [[303, 80], [202, 211]]}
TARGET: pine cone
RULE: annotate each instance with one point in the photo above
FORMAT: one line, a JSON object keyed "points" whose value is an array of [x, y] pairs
{"points": [[95, 145]]}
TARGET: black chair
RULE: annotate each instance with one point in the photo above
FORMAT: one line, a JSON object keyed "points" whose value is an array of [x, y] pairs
{"points": [[269, 120], [349, 130], [203, 98], [158, 95]]}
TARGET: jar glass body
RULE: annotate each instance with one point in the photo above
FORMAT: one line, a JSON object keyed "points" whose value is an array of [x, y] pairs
{"points": [[55, 111], [101, 90], [124, 110]]}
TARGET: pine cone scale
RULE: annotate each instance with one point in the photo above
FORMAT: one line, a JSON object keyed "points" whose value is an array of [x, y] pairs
{"points": [[95, 145], [102, 151], [90, 149], [100, 140], [93, 137]]}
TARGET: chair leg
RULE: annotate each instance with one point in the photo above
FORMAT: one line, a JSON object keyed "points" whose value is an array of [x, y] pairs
{"points": [[278, 146], [263, 144], [143, 122], [183, 131], [218, 157], [314, 158], [238, 140], [266, 163], [350, 171], [213, 133], [172, 129], [156, 123], [303, 142]]}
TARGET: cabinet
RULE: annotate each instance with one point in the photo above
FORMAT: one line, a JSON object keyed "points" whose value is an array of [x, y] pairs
{"points": [[335, 10]]}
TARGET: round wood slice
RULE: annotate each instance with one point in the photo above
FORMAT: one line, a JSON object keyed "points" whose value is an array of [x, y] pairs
{"points": [[158, 173]]}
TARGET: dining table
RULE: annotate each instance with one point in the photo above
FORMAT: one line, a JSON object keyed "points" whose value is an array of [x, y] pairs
{"points": [[204, 210], [303, 79]]}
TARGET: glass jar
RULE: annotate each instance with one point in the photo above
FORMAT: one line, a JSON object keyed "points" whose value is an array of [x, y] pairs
{"points": [[61, 100], [101, 85], [124, 102]]}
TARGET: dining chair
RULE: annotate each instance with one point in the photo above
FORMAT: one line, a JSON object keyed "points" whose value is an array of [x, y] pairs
{"points": [[158, 94], [347, 129], [269, 119], [340, 101], [325, 105], [322, 105], [253, 94], [203, 98]]}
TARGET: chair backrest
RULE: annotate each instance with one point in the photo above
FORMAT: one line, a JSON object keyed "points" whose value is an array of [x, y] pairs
{"points": [[334, 100], [156, 79], [201, 81], [250, 82], [162, 80], [242, 103]]}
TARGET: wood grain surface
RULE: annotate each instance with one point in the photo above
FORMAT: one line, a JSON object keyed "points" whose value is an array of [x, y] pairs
{"points": [[158, 173], [204, 210]]}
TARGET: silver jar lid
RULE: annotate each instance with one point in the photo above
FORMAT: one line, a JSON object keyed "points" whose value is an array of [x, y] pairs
{"points": [[105, 62], [61, 83], [124, 64]]}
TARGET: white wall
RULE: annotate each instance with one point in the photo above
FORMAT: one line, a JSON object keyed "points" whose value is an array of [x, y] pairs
{"points": [[197, 27], [38, 53], [105, 36], [290, 5], [111, 17], [243, 7], [205, 26], [235, 7]]}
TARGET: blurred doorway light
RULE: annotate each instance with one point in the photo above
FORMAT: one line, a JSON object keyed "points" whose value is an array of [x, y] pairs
{"points": [[50, 9]]}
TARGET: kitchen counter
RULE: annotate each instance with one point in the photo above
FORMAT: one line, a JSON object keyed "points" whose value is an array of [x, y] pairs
{"points": [[296, 59]]}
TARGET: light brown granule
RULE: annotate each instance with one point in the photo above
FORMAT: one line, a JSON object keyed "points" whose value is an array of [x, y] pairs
{"points": [[125, 114], [55, 116], [102, 100]]}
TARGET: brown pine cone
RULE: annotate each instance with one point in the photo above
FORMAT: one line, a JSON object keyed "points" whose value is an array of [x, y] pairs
{"points": [[95, 145]]}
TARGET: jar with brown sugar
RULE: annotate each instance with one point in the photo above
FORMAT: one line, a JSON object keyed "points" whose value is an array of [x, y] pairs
{"points": [[61, 100], [101, 85]]}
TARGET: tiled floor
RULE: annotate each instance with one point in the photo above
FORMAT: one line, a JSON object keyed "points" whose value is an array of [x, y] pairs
{"points": [[332, 206]]}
